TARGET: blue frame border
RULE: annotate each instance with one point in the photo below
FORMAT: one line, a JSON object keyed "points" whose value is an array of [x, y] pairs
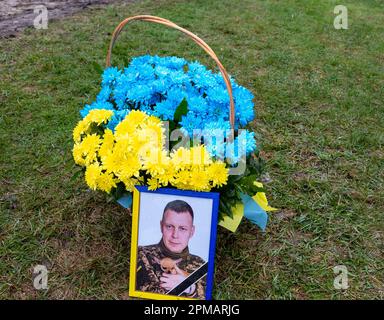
{"points": [[215, 196]]}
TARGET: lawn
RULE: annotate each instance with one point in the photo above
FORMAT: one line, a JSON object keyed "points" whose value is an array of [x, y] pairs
{"points": [[320, 118]]}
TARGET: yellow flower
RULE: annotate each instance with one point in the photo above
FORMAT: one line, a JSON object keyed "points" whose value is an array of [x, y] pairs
{"points": [[136, 117], [181, 158], [90, 145], [123, 148], [124, 129], [92, 174], [130, 168], [108, 143], [77, 153], [200, 156], [153, 184], [130, 183], [152, 133], [156, 162], [182, 179], [167, 176], [106, 182], [135, 150], [98, 116], [80, 129], [139, 147], [218, 173], [199, 181], [153, 119], [112, 162], [91, 142]]}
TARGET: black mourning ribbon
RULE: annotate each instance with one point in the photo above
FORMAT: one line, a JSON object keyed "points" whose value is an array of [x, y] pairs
{"points": [[194, 277]]}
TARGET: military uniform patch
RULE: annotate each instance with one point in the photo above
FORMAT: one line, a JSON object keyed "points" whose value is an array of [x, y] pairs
{"points": [[149, 270]]}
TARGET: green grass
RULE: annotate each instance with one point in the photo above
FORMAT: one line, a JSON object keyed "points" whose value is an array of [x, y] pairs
{"points": [[318, 97]]}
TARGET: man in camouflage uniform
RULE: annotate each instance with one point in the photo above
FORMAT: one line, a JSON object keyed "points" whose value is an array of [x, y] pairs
{"points": [[176, 228]]}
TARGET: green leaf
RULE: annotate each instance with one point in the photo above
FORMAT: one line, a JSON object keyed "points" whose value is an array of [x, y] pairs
{"points": [[181, 110], [225, 209], [172, 125], [119, 191], [248, 180]]}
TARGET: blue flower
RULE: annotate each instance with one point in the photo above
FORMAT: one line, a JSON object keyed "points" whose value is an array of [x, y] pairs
{"points": [[162, 71], [243, 105], [139, 93], [191, 122], [165, 109], [104, 94], [218, 95], [175, 62], [247, 139], [110, 75], [197, 104], [157, 85], [146, 72], [176, 94], [178, 77], [243, 145], [214, 138], [141, 60]]}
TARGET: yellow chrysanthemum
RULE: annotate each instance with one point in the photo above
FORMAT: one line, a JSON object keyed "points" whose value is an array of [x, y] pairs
{"points": [[112, 162], [149, 138], [200, 156], [106, 182], [80, 129], [135, 147], [156, 162], [153, 133], [153, 119], [90, 145], [153, 184], [199, 181], [92, 174], [130, 183], [218, 173], [182, 179], [130, 168], [124, 129], [139, 147], [136, 117], [77, 153], [107, 144], [181, 158], [98, 116], [123, 148]]}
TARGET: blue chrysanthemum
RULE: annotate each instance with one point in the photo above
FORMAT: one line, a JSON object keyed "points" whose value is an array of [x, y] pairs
{"points": [[157, 85]]}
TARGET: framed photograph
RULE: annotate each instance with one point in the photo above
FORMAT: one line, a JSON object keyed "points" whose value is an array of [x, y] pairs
{"points": [[173, 244]]}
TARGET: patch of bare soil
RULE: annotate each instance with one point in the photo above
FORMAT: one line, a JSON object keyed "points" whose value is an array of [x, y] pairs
{"points": [[16, 15]]}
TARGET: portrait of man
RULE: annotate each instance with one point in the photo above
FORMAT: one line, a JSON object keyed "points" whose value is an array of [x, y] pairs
{"points": [[164, 265]]}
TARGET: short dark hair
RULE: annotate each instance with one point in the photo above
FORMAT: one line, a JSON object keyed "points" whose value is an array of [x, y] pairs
{"points": [[178, 206]]}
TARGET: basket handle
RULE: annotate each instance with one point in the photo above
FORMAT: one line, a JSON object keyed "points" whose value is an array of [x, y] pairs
{"points": [[194, 37]]}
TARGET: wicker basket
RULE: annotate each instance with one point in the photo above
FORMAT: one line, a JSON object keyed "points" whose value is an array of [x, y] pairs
{"points": [[194, 37]]}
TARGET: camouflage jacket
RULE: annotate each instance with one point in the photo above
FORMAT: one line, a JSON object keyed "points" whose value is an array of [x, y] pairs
{"points": [[149, 271]]}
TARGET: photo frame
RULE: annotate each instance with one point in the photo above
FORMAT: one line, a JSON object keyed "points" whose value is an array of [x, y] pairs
{"points": [[173, 244]]}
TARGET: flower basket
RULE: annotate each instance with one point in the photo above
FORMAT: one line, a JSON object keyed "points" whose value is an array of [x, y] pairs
{"points": [[123, 140]]}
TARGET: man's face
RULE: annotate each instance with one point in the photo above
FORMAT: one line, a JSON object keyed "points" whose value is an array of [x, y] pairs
{"points": [[177, 229]]}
